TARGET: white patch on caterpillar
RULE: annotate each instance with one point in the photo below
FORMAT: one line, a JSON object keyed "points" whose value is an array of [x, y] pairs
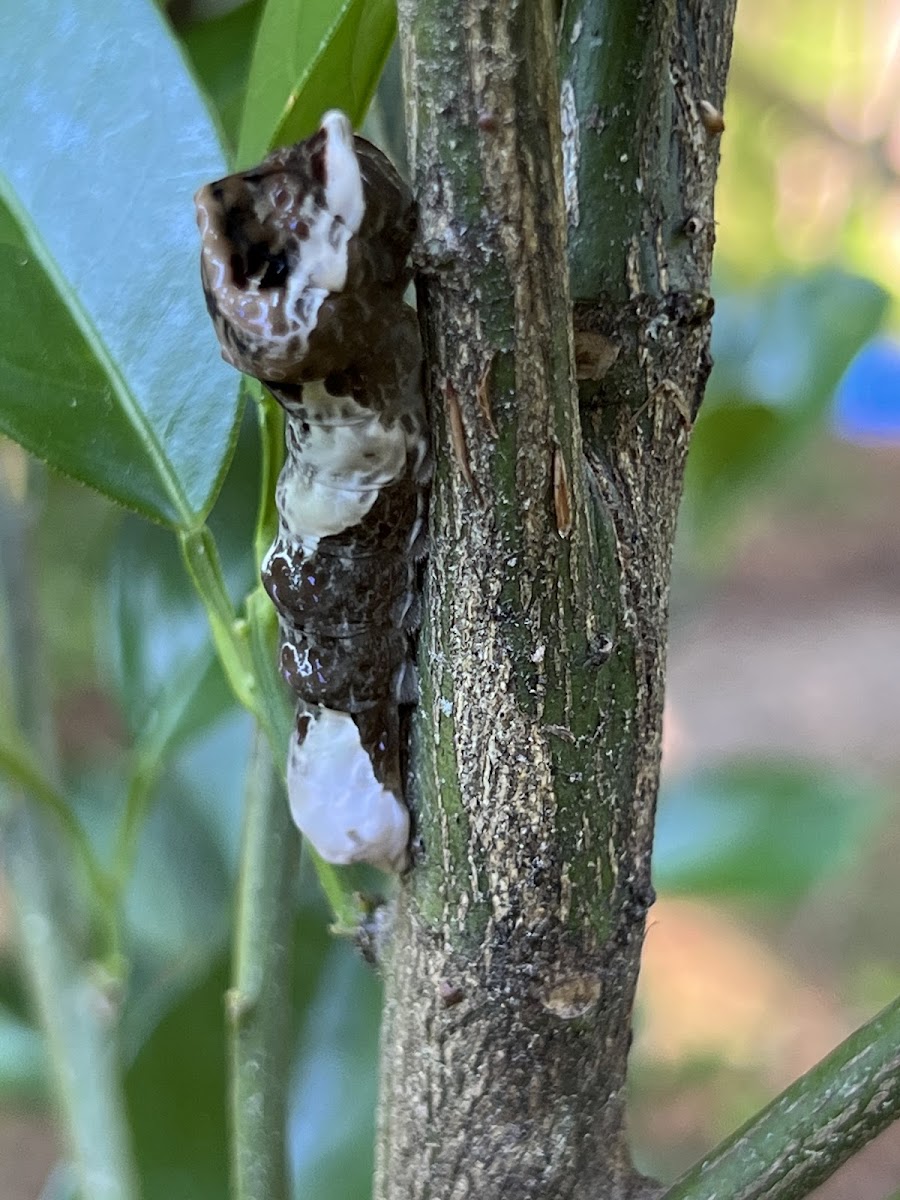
{"points": [[312, 509], [336, 801], [348, 443], [323, 264], [336, 468], [343, 191]]}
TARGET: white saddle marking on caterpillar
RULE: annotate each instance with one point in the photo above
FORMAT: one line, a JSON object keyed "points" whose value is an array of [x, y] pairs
{"points": [[331, 478], [337, 802]]}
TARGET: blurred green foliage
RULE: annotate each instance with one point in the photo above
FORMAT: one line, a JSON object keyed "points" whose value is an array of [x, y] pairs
{"points": [[780, 351], [155, 775], [807, 271], [767, 831]]}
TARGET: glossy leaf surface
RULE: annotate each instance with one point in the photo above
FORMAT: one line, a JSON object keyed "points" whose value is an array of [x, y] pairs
{"points": [[220, 51], [109, 369], [308, 58]]}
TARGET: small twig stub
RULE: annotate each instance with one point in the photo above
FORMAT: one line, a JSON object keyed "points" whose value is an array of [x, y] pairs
{"points": [[594, 354], [713, 121]]}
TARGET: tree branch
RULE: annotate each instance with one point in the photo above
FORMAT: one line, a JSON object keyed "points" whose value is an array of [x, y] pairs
{"points": [[820, 1121], [510, 976]]}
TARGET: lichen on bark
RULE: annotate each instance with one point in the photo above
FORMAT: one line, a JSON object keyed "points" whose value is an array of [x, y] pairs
{"points": [[511, 966]]}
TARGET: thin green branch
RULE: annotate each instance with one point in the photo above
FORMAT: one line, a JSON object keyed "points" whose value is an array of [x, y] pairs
{"points": [[77, 1012], [807, 1132], [137, 805], [204, 567], [258, 1004]]}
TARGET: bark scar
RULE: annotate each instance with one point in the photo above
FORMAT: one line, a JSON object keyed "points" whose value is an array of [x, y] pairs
{"points": [[457, 433], [482, 395], [562, 496], [572, 997]]}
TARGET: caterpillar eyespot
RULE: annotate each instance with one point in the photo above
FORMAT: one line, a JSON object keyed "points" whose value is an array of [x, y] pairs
{"points": [[304, 265]]}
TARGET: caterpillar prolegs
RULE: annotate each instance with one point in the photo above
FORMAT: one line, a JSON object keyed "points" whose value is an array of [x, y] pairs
{"points": [[304, 265]]}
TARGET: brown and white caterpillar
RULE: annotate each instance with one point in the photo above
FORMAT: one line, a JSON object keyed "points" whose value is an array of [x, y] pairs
{"points": [[304, 265]]}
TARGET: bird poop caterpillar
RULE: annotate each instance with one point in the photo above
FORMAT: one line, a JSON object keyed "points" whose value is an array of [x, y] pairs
{"points": [[304, 265]]}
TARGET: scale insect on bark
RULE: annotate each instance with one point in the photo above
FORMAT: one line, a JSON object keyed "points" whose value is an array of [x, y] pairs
{"points": [[304, 265]]}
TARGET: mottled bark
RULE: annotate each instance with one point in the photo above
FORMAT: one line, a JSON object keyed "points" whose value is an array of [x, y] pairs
{"points": [[514, 952]]}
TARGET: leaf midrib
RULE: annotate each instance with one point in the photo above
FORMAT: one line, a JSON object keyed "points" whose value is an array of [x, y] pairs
{"points": [[297, 88]]}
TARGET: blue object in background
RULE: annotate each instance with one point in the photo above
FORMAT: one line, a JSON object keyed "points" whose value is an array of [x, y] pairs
{"points": [[867, 401]]}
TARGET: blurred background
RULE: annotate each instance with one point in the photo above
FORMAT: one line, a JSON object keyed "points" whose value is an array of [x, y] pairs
{"points": [[778, 923], [778, 926]]}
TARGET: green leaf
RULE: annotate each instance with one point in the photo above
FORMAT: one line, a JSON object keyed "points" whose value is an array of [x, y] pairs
{"points": [[177, 1083], [788, 344], [49, 400], [332, 1120], [735, 448], [109, 370], [308, 58], [769, 830], [220, 51], [157, 640], [177, 897], [75, 531], [155, 631], [176, 1091], [178, 900]]}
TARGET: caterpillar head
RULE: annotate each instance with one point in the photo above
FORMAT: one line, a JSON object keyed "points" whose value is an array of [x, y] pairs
{"points": [[299, 243]]}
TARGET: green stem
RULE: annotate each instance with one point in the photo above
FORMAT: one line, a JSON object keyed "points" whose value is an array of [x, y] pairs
{"points": [[77, 1012], [274, 706], [137, 805], [201, 559], [258, 1005], [804, 1135]]}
